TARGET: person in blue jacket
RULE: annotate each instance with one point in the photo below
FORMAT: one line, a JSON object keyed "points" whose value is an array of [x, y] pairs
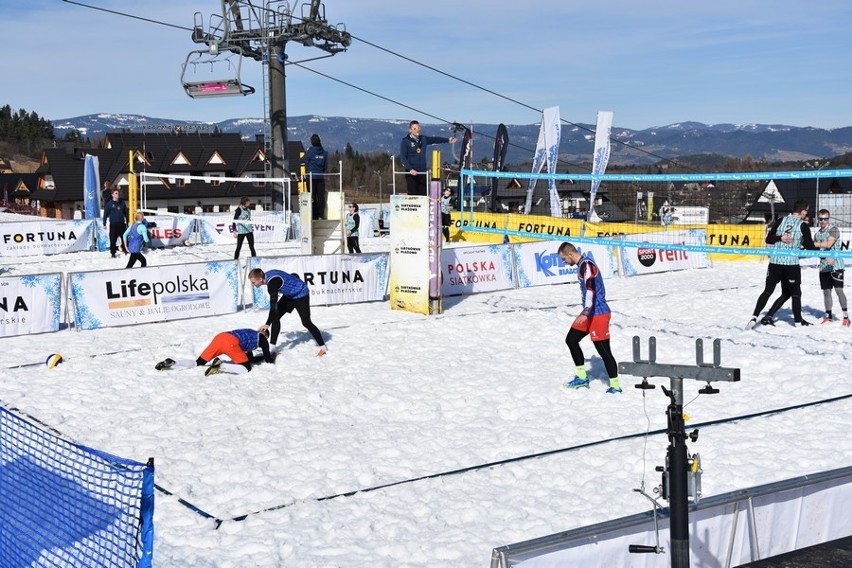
{"points": [[315, 162], [115, 211], [286, 293], [135, 237], [412, 154]]}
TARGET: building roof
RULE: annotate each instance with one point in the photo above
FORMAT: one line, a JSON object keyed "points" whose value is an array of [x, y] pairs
{"points": [[225, 154]]}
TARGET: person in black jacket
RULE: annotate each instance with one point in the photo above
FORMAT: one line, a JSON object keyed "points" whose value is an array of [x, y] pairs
{"points": [[315, 161], [115, 211]]}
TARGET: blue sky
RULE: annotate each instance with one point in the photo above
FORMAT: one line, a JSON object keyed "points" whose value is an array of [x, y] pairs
{"points": [[651, 63]]}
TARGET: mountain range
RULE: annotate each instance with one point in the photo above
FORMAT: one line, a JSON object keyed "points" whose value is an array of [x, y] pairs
{"points": [[774, 143]]}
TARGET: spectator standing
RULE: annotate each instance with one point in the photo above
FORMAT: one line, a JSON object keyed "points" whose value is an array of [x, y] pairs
{"points": [[245, 230], [446, 209], [135, 237], [115, 211], [353, 224], [316, 163], [412, 155], [106, 193]]}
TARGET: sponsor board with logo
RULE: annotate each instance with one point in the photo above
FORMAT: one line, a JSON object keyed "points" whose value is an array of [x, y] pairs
{"points": [[29, 304], [34, 238], [331, 278], [219, 228], [468, 270], [651, 259], [156, 293], [539, 264], [409, 254]]}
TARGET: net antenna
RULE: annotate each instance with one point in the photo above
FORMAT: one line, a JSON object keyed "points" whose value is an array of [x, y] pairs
{"points": [[259, 30]]}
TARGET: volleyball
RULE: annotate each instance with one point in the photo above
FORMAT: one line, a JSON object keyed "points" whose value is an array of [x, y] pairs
{"points": [[53, 360]]}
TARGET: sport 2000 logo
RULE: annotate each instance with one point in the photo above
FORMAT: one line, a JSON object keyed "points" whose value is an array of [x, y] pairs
{"points": [[646, 256]]}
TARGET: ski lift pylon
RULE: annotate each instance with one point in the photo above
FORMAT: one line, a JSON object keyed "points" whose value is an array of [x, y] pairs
{"points": [[199, 84]]}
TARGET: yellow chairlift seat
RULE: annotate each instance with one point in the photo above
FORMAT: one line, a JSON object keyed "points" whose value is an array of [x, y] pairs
{"points": [[202, 75]]}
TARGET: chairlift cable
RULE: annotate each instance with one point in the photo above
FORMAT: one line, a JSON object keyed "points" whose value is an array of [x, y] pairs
{"points": [[419, 63]]}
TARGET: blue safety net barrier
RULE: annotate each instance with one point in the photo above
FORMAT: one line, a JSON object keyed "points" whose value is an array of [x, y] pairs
{"points": [[63, 504]]}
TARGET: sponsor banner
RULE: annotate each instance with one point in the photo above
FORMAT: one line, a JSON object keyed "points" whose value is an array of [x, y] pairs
{"points": [[155, 293], [600, 157], [468, 270], [648, 260], [332, 278], [738, 236], [91, 186], [170, 230], [34, 238], [269, 227], [29, 304], [539, 263], [610, 230], [537, 226], [690, 215], [546, 150], [501, 146], [460, 221], [409, 254]]}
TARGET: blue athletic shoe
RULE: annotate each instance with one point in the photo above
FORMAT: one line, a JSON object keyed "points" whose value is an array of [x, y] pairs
{"points": [[577, 383], [613, 390]]}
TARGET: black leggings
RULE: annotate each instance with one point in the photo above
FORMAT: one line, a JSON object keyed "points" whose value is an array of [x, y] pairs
{"points": [[248, 237], [134, 256], [353, 244], [573, 341], [790, 278], [303, 308]]}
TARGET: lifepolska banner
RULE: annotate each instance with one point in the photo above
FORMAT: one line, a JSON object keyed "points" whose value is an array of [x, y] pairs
{"points": [[155, 293]]}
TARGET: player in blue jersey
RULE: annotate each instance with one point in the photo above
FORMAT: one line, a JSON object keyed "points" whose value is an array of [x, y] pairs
{"points": [[238, 344], [788, 234], [593, 320], [286, 293]]}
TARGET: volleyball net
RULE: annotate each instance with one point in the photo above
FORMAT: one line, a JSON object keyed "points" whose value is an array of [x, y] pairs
{"points": [[723, 214], [63, 504]]}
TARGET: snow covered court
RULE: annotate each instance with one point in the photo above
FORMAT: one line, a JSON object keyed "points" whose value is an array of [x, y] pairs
{"points": [[398, 447]]}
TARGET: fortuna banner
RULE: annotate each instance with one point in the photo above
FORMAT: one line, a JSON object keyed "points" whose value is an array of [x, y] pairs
{"points": [[601, 157], [29, 304], [331, 278], [33, 238]]}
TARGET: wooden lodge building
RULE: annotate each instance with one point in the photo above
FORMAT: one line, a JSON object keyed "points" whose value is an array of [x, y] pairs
{"points": [[59, 186]]}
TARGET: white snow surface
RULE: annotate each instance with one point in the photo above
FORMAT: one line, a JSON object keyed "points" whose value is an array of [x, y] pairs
{"points": [[401, 398]]}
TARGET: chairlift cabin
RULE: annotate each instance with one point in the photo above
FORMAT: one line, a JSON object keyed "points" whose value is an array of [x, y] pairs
{"points": [[208, 73]]}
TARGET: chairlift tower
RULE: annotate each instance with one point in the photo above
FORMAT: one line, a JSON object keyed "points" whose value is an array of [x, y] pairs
{"points": [[259, 30]]}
